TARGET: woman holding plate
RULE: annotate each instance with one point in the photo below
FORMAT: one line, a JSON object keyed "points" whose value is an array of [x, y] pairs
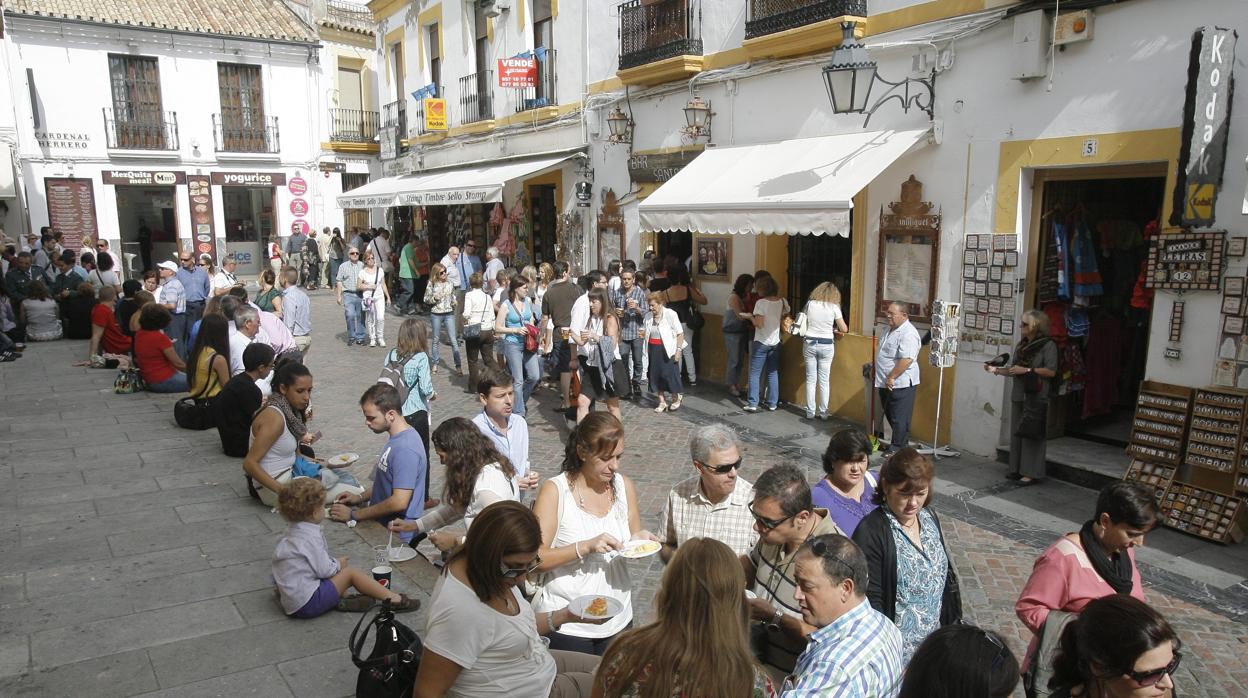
{"points": [[588, 512]]}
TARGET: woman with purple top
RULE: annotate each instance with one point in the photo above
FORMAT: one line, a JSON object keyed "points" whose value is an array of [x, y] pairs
{"points": [[847, 490]]}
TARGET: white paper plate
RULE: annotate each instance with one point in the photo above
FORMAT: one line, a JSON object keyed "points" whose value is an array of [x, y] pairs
{"points": [[580, 606], [636, 549], [402, 553], [343, 459]]}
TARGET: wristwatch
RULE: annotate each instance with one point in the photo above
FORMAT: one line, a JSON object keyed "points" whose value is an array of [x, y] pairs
{"points": [[774, 624]]}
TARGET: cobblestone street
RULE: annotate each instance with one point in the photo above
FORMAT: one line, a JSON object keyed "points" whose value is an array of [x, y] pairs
{"points": [[135, 563]]}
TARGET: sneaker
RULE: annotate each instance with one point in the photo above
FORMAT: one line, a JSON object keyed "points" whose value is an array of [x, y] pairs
{"points": [[750, 408], [808, 416], [372, 343], [771, 408], [381, 342]]}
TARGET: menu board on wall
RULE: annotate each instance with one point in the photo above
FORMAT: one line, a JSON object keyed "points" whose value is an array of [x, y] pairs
{"points": [[199, 187], [71, 209], [909, 252]]}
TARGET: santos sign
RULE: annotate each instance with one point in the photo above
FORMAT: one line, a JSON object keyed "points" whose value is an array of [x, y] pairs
{"points": [[1206, 123]]}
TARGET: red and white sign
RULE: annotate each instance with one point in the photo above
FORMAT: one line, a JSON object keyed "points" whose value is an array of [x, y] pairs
{"points": [[300, 227], [298, 186], [299, 207], [517, 72]]}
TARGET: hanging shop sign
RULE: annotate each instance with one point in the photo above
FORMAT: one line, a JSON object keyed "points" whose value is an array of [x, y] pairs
{"points": [[298, 186], [71, 209], [435, 114], [1206, 124], [249, 179], [909, 248], [299, 207], [300, 227], [328, 167], [656, 168], [517, 72], [199, 188], [1187, 261], [143, 177]]}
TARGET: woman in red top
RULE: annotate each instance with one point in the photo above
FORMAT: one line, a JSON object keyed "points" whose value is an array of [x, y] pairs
{"points": [[106, 335], [159, 364]]}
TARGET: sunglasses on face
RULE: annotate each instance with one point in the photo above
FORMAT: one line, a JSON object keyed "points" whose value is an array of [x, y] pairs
{"points": [[354, 254], [100, 247], [513, 572], [721, 469], [186, 259], [768, 524], [1151, 677]]}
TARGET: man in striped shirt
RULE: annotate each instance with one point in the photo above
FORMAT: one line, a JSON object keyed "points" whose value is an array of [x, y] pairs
{"points": [[856, 650]]}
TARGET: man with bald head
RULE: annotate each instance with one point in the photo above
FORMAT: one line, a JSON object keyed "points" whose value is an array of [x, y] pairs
{"points": [[897, 374]]}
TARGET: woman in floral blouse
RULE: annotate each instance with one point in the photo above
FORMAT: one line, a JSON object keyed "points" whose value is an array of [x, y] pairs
{"points": [[698, 645], [440, 294]]}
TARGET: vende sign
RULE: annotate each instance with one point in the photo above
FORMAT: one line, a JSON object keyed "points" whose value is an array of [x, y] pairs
{"points": [[1206, 123], [517, 72]]}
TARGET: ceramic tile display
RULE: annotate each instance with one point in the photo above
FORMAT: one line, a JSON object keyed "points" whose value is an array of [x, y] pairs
{"points": [[1214, 438], [989, 283], [1202, 512], [1230, 366], [1160, 425]]}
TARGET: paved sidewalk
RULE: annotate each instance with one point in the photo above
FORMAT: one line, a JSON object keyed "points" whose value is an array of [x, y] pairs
{"points": [[137, 565]]}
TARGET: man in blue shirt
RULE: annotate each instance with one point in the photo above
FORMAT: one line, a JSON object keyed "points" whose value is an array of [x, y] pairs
{"points": [[509, 432], [196, 283], [856, 650], [401, 469], [296, 311]]}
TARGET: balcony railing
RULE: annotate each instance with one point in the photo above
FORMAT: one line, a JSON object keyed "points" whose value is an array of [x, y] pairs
{"points": [[347, 14], [141, 129], [543, 94], [476, 97], [393, 127], [418, 116], [652, 30], [353, 125], [245, 131], [771, 16]]}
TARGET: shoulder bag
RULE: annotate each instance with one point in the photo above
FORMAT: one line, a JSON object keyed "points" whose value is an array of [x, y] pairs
{"points": [[129, 380], [389, 670], [195, 412]]}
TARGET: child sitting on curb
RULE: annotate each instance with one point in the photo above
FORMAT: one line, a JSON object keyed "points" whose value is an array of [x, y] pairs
{"points": [[309, 581]]}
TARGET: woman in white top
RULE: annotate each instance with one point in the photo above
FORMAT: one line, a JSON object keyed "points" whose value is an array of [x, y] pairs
{"points": [[104, 275], [478, 328], [440, 294], [665, 337], [769, 313], [477, 475], [482, 637], [588, 512], [605, 383], [824, 322], [374, 294], [39, 314], [274, 443]]}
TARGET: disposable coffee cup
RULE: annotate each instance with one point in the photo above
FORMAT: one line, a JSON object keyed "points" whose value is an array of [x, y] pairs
{"points": [[381, 555], [381, 574]]}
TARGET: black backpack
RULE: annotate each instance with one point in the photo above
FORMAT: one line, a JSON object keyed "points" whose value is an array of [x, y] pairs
{"points": [[389, 671]]}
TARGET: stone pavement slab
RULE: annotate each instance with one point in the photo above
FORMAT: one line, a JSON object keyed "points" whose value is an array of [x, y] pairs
{"points": [[137, 565]]}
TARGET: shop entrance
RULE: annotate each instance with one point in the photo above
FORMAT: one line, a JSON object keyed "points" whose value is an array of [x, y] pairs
{"points": [[1089, 259], [677, 243], [354, 219], [248, 225], [542, 212], [148, 225], [814, 259]]}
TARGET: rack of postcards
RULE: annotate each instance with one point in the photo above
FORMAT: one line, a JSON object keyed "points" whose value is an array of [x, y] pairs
{"points": [[1205, 431]]}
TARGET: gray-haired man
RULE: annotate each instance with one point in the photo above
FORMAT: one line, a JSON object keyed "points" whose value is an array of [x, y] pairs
{"points": [[714, 503]]}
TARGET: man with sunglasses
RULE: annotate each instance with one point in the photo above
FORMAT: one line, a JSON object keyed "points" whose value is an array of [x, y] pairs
{"points": [[347, 287], [196, 283], [854, 650], [785, 518], [715, 502]]}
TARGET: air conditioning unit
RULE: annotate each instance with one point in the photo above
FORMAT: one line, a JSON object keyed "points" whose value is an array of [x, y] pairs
{"points": [[493, 8]]}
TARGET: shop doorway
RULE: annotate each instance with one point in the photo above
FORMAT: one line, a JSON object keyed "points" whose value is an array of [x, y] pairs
{"points": [[1088, 266], [814, 259], [543, 214], [677, 243], [248, 225], [148, 225]]}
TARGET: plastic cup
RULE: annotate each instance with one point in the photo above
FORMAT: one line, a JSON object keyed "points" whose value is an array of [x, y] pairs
{"points": [[566, 333], [381, 555], [381, 574]]}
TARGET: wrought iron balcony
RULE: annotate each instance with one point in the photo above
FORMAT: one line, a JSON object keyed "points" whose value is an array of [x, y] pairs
{"points": [[771, 16], [652, 30], [245, 131], [393, 128], [353, 125], [476, 97], [141, 129], [543, 93], [349, 15], [418, 117]]}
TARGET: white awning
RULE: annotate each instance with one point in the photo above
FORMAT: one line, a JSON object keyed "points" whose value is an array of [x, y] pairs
{"points": [[7, 188], [445, 187], [803, 186]]}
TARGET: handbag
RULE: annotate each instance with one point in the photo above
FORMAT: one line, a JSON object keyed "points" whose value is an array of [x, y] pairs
{"points": [[198, 413], [696, 321], [389, 670], [129, 380], [1033, 423], [801, 324], [530, 329]]}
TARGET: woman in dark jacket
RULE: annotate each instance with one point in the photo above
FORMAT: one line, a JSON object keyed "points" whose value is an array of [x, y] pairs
{"points": [[912, 580], [1034, 371]]}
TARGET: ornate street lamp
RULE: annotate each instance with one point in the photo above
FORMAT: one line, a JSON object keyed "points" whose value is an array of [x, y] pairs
{"points": [[850, 75], [620, 127], [698, 118]]}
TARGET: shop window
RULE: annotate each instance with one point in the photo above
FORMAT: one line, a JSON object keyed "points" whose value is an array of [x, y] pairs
{"points": [[137, 120], [814, 259], [354, 218], [241, 126]]}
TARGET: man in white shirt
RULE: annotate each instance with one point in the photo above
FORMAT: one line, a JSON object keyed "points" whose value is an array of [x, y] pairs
{"points": [[715, 502], [225, 279], [897, 374], [493, 265]]}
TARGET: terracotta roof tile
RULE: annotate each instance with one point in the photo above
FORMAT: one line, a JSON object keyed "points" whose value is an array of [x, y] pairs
{"points": [[262, 19]]}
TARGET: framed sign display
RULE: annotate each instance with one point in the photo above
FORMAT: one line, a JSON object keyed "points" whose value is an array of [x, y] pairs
{"points": [[1187, 261], [909, 252], [610, 231]]}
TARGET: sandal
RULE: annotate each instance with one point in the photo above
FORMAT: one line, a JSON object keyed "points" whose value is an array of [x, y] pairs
{"points": [[675, 403], [661, 408], [405, 604]]}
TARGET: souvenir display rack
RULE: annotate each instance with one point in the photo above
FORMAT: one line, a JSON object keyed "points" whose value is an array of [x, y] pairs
{"points": [[1202, 512], [1160, 423], [1155, 475], [1217, 420]]}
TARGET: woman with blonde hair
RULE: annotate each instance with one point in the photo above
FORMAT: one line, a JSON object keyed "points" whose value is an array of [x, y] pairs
{"points": [[440, 296], [375, 296], [411, 356], [1034, 370], [824, 322], [698, 644]]}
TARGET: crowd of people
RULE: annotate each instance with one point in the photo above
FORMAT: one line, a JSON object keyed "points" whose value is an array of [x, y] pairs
{"points": [[846, 586]]}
